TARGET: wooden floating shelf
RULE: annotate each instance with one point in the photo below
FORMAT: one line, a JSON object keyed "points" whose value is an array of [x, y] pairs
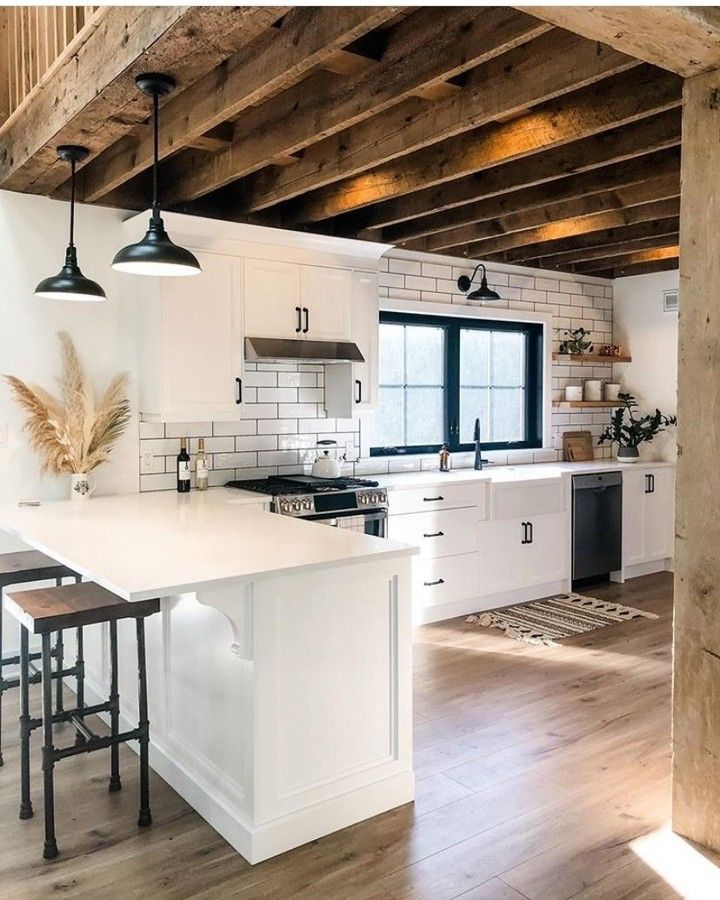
{"points": [[590, 358], [586, 404]]}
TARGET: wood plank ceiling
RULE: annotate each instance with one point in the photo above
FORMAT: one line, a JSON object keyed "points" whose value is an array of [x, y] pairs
{"points": [[488, 133]]}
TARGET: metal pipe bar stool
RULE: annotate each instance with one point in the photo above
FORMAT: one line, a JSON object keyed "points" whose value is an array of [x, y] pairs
{"points": [[44, 611], [21, 568]]}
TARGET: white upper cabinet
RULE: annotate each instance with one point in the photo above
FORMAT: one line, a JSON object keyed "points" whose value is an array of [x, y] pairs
{"points": [[353, 387], [193, 359], [327, 298], [273, 307], [287, 300]]}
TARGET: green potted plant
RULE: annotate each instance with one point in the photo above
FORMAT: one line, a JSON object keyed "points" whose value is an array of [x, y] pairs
{"points": [[629, 435], [575, 342]]}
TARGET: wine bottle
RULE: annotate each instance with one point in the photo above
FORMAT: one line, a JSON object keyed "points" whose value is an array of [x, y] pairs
{"points": [[183, 468], [201, 467]]}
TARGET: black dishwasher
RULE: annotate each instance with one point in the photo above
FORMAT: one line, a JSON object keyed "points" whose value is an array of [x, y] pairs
{"points": [[596, 526]]}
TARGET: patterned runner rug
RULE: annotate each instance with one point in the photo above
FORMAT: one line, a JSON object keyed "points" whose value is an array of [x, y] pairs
{"points": [[543, 621]]}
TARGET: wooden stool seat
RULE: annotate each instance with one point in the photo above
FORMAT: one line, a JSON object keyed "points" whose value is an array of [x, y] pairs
{"points": [[44, 610], [30, 565]]}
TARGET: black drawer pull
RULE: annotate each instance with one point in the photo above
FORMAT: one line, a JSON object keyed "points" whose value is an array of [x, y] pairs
{"points": [[432, 499], [238, 381], [298, 327], [358, 396], [433, 583], [435, 534], [306, 327]]}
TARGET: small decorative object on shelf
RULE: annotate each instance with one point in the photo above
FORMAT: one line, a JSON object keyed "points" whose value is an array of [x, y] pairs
{"points": [[592, 390], [72, 435], [611, 391], [575, 342], [609, 350], [573, 393], [637, 431]]}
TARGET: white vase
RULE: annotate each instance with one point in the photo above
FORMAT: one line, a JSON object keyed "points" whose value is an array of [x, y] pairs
{"points": [[82, 486]]}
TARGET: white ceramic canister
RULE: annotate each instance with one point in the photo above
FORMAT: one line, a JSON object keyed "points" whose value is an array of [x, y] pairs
{"points": [[612, 389], [592, 389], [573, 392]]}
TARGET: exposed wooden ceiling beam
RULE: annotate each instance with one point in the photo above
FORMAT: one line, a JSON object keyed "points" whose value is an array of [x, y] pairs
{"points": [[428, 47], [634, 258], [543, 254], [617, 145], [273, 62], [90, 97], [540, 70], [645, 268], [568, 228], [682, 39], [617, 178], [614, 102], [568, 259], [660, 187]]}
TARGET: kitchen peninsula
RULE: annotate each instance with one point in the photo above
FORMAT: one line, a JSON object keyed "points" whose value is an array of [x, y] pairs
{"points": [[279, 666]]}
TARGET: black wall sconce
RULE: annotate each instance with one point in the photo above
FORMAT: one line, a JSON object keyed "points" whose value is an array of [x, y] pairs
{"points": [[483, 292]]}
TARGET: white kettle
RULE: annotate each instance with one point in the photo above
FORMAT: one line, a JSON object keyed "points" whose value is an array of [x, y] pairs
{"points": [[327, 465]]}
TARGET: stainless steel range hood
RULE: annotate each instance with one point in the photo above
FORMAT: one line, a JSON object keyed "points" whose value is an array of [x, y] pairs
{"points": [[282, 349]]}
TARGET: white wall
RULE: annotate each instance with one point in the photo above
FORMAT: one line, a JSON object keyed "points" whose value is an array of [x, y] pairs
{"points": [[33, 235], [651, 336]]}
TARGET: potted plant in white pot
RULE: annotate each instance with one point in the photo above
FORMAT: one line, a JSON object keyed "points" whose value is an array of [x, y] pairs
{"points": [[73, 435], [637, 430]]}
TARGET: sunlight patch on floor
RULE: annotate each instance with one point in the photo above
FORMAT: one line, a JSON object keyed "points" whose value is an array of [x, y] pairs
{"points": [[686, 869]]}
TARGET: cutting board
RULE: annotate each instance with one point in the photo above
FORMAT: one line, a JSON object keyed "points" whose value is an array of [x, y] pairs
{"points": [[577, 446]]}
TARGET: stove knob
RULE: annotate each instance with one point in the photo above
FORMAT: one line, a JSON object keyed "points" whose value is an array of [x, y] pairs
{"points": [[307, 504], [374, 498], [285, 506], [364, 499], [382, 497], [296, 506]]}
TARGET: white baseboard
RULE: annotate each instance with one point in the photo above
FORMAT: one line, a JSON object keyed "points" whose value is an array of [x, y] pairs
{"points": [[492, 601], [649, 568]]}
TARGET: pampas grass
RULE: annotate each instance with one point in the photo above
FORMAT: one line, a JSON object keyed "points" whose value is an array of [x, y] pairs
{"points": [[72, 434]]}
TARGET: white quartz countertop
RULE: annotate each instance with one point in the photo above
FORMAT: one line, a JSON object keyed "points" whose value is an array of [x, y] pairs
{"points": [[164, 543], [507, 474]]}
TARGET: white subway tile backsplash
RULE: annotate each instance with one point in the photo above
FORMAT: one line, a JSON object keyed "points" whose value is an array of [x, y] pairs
{"points": [[187, 429], [297, 411], [244, 426], [277, 426], [152, 430]]}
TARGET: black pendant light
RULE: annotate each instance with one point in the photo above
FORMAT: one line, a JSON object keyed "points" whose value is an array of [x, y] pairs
{"points": [[156, 254], [70, 283], [481, 293]]}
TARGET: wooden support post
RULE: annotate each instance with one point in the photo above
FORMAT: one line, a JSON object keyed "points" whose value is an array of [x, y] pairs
{"points": [[696, 694]]}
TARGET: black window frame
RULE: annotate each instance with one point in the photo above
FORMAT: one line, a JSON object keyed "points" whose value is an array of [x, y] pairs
{"points": [[534, 393]]}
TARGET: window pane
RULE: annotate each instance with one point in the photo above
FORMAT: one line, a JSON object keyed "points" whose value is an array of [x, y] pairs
{"points": [[474, 404], [474, 357], [424, 416], [424, 362], [507, 414], [392, 354], [508, 358], [388, 430]]}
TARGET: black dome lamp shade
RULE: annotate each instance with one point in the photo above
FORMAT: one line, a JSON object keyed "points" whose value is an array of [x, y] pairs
{"points": [[481, 293], [156, 254], [70, 283]]}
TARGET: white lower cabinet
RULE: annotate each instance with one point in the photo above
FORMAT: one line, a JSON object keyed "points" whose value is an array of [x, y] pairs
{"points": [[444, 532], [648, 515], [444, 582]]}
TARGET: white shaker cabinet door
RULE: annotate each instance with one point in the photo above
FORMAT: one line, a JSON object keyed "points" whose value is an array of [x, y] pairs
{"points": [[273, 308], [546, 557], [327, 303], [201, 342], [659, 515], [633, 517], [500, 564]]}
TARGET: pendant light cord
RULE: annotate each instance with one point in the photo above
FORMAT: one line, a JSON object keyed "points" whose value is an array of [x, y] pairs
{"points": [[156, 154], [72, 203]]}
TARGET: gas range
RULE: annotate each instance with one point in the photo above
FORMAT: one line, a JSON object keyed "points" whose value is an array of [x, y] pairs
{"points": [[351, 503]]}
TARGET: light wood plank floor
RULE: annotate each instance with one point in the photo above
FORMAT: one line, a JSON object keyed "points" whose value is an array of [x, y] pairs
{"points": [[535, 766]]}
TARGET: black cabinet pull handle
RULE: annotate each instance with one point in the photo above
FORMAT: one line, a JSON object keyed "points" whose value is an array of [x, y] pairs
{"points": [[307, 320], [435, 534], [652, 484], [238, 382], [298, 327], [432, 499], [530, 526], [358, 396], [433, 583], [524, 533]]}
